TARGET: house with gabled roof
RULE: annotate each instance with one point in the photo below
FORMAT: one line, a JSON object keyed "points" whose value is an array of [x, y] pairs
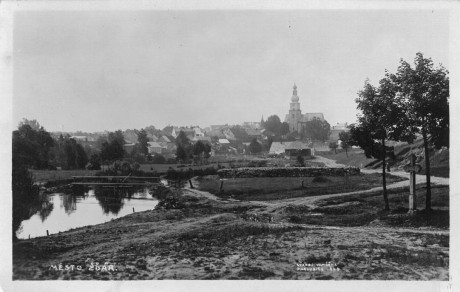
{"points": [[278, 148], [155, 147], [299, 148]]}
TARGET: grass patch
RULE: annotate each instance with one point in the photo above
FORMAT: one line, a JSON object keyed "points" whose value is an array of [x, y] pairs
{"points": [[53, 175], [274, 188], [362, 209], [355, 157], [222, 233]]}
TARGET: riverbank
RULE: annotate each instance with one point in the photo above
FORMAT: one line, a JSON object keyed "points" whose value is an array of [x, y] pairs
{"points": [[197, 236]]}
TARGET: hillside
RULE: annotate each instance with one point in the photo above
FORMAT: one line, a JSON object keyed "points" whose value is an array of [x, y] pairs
{"points": [[439, 158]]}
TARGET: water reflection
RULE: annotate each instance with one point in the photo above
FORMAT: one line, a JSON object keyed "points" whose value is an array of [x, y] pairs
{"points": [[46, 208], [82, 206]]}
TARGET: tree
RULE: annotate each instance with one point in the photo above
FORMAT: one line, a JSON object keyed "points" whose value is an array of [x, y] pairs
{"points": [[273, 123], [158, 159], [344, 141], [255, 146], [32, 146], [284, 129], [425, 93], [34, 124], [181, 154], [333, 145], [240, 133], [112, 149], [198, 151], [94, 162], [184, 147], [74, 154], [143, 141], [383, 117], [317, 129]]}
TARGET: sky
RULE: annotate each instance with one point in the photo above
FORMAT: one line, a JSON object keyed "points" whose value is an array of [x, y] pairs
{"points": [[109, 70]]}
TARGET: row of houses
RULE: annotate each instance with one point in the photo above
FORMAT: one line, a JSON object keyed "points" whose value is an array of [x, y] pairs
{"points": [[221, 138]]}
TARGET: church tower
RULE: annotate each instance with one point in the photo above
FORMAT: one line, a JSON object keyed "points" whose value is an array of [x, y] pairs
{"points": [[295, 114]]}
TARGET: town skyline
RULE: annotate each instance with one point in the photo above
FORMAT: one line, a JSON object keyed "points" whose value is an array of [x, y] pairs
{"points": [[94, 71]]}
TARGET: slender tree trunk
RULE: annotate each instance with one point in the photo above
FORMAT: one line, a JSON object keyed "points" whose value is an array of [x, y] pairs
{"points": [[427, 172], [384, 179]]}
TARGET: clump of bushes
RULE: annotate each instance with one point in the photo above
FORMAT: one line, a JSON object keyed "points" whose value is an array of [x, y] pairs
{"points": [[172, 201], [286, 172]]}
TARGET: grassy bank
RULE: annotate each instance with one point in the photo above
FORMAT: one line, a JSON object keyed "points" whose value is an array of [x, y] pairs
{"points": [[364, 209], [355, 157], [52, 175], [274, 188]]}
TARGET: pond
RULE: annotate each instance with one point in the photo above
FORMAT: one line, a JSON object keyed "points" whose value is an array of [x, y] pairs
{"points": [[60, 212]]}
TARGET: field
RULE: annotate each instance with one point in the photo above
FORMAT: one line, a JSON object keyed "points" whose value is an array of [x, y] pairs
{"points": [[364, 209], [274, 188], [355, 157]]}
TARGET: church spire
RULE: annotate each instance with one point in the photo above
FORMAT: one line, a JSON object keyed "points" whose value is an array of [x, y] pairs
{"points": [[294, 97]]}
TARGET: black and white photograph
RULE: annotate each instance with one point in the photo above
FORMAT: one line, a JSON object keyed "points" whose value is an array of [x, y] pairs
{"points": [[306, 144]]}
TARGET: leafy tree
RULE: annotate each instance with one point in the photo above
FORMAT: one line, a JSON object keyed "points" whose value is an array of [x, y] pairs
{"points": [[158, 159], [34, 124], [207, 151], [184, 147], [255, 146], [425, 93], [143, 140], [31, 146], [74, 154], [383, 117], [112, 149], [317, 129], [333, 145], [117, 136], [240, 133], [30, 149], [344, 141], [198, 150], [94, 162], [284, 129], [183, 140], [181, 153], [273, 123]]}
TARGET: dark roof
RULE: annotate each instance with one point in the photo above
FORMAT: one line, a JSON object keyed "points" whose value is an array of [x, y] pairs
{"points": [[297, 145]]}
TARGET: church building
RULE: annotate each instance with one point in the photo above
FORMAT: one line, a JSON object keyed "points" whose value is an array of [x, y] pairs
{"points": [[295, 118]]}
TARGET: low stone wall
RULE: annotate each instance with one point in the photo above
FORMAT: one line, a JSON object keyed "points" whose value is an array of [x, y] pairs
{"points": [[286, 172]]}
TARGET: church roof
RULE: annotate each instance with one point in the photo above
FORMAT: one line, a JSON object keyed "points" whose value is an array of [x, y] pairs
{"points": [[309, 116]]}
